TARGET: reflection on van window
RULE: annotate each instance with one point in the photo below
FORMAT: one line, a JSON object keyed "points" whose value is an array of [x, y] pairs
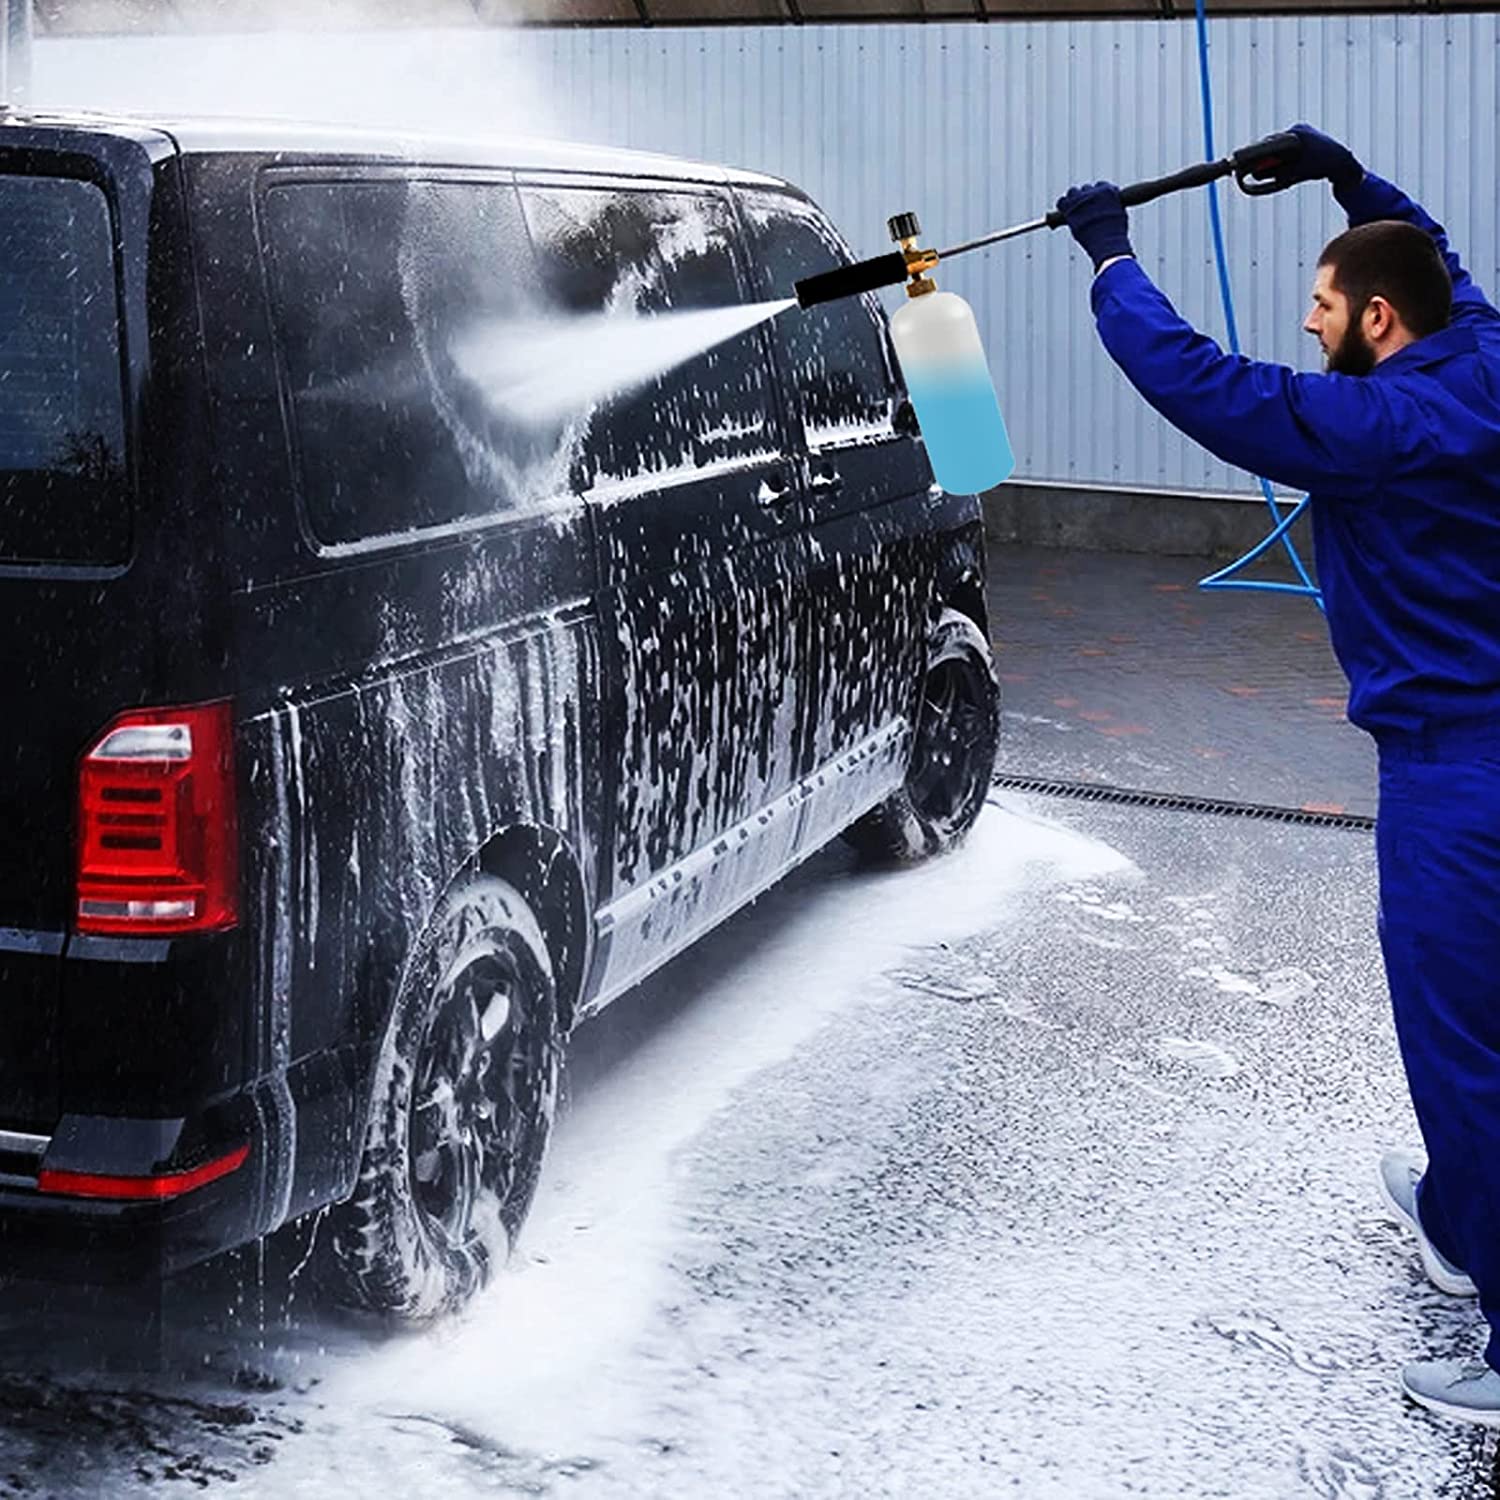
{"points": [[63, 494], [836, 352], [374, 284], [643, 252]]}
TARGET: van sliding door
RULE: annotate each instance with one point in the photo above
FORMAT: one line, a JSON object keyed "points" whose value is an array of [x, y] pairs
{"points": [[869, 514], [682, 458]]}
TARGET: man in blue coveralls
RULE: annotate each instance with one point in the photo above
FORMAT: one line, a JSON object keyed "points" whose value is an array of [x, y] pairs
{"points": [[1399, 445]]}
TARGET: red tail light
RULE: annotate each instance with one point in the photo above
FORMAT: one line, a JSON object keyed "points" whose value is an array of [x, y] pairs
{"points": [[157, 845]]}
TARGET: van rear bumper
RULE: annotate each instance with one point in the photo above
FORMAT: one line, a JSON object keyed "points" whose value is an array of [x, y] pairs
{"points": [[87, 1233]]}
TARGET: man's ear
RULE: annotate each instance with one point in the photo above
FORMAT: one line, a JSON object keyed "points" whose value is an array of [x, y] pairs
{"points": [[1379, 317]]}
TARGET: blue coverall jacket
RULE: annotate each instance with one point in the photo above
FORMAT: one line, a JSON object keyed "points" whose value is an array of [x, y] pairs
{"points": [[1403, 466]]}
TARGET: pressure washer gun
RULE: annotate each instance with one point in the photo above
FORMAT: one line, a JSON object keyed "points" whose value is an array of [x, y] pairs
{"points": [[937, 340]]}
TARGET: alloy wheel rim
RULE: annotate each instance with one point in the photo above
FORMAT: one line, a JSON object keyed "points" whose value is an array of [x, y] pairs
{"points": [[946, 774], [465, 1120]]}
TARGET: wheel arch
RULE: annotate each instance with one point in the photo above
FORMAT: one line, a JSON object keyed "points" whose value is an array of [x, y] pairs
{"points": [[960, 579], [544, 868]]}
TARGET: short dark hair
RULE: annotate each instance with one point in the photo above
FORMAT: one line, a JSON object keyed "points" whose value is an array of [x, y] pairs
{"points": [[1398, 262]]}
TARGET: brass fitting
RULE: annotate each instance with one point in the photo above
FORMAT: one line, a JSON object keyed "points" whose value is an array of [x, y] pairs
{"points": [[906, 230], [918, 262]]}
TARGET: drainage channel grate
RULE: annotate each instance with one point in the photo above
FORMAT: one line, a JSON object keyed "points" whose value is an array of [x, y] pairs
{"points": [[1087, 791]]}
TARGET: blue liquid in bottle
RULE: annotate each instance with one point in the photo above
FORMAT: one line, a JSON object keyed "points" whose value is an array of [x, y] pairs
{"points": [[961, 424]]}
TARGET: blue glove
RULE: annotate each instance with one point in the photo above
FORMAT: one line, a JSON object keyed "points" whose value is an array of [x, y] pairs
{"points": [[1320, 157], [1098, 220]]}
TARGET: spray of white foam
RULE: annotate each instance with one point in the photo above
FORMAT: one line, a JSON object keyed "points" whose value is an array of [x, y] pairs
{"points": [[304, 65], [544, 372]]}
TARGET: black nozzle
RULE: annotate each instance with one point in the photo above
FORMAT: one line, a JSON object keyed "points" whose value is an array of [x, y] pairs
{"points": [[850, 281], [904, 227]]}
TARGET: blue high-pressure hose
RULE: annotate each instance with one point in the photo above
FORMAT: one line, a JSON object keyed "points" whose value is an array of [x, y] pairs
{"points": [[1225, 577]]}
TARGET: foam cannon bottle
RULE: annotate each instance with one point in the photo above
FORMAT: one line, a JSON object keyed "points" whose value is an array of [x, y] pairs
{"points": [[948, 377], [935, 335]]}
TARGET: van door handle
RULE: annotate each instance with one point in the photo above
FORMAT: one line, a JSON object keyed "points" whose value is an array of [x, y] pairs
{"points": [[827, 480], [775, 489]]}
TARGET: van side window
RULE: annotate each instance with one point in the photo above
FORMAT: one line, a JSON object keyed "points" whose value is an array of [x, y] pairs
{"points": [[63, 489], [835, 353], [392, 300], [610, 255]]}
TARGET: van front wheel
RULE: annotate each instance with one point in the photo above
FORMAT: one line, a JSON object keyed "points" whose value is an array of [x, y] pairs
{"points": [[952, 756], [461, 1111]]}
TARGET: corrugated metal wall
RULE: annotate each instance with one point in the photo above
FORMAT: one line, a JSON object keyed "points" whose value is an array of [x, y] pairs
{"points": [[977, 126]]}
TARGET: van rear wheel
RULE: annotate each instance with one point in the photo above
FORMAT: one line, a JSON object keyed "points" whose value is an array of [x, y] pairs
{"points": [[461, 1112], [953, 752]]}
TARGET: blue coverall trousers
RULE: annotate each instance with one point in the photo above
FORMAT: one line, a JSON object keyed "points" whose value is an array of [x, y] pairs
{"points": [[1438, 849]]}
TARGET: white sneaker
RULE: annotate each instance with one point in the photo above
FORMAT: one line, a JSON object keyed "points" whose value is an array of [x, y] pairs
{"points": [[1465, 1389], [1400, 1172]]}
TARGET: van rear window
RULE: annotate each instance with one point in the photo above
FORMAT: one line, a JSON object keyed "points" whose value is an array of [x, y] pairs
{"points": [[63, 491], [375, 283]]}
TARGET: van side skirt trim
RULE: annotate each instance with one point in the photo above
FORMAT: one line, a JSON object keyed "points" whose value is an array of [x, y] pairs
{"points": [[633, 908]]}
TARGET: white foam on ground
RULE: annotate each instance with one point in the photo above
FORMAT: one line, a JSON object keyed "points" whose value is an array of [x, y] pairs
{"points": [[544, 1361]]}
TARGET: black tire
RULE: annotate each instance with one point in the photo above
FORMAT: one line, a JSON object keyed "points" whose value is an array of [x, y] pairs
{"points": [[952, 756], [460, 1113]]}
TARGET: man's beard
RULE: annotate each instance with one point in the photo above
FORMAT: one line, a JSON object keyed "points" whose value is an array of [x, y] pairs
{"points": [[1352, 355]]}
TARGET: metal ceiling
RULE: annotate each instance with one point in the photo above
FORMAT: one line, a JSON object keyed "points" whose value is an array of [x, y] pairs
{"points": [[54, 18]]}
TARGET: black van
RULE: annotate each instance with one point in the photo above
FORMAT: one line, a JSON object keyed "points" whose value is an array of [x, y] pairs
{"points": [[366, 736]]}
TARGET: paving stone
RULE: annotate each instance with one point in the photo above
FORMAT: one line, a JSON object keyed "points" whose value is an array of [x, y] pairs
{"points": [[1116, 668]]}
